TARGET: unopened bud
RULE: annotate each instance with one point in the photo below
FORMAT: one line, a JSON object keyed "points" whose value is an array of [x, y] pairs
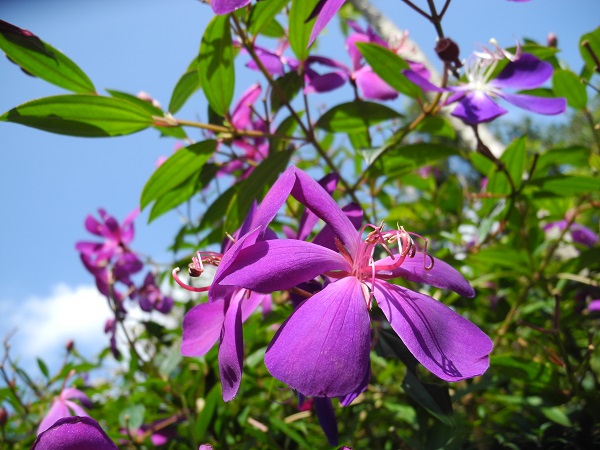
{"points": [[70, 345], [552, 40], [448, 51], [3, 417]]}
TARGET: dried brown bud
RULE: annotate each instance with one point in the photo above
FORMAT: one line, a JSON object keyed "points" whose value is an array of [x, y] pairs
{"points": [[552, 40], [70, 345], [448, 51], [3, 417]]}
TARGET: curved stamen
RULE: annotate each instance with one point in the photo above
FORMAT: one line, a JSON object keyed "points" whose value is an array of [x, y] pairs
{"points": [[187, 286], [425, 266]]}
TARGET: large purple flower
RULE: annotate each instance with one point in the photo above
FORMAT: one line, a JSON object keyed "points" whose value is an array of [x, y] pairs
{"points": [[475, 99], [74, 433], [324, 12], [322, 350], [226, 6]]}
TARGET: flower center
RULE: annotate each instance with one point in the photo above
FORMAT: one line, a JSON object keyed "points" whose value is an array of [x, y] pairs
{"points": [[196, 269]]}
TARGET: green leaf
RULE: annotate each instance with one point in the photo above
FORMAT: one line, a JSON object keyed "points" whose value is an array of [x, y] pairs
{"points": [[354, 117], [389, 67], [173, 198], [289, 432], [132, 417], [81, 115], [185, 87], [252, 187], [299, 28], [143, 104], [289, 85], [285, 128], [264, 13], [591, 40], [406, 158], [215, 65], [437, 126], [42, 60], [171, 360], [576, 156], [566, 84], [205, 417], [556, 414], [183, 164], [43, 367], [433, 397], [568, 185]]}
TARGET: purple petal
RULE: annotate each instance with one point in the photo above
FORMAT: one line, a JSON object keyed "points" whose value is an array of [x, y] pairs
{"points": [[270, 60], [373, 87], [442, 275], [76, 409], [349, 398], [309, 219], [540, 105], [280, 264], [226, 6], [446, 343], [316, 83], [241, 118], [326, 237], [327, 420], [423, 83], [201, 328], [58, 410], [527, 72], [93, 226], [476, 107], [322, 350], [325, 9], [583, 235], [308, 192], [594, 305], [127, 228], [70, 393], [74, 433], [275, 198], [231, 349]]}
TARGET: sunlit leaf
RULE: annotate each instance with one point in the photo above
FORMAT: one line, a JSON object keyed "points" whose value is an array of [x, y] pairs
{"points": [[215, 65], [42, 60], [355, 116], [81, 115]]}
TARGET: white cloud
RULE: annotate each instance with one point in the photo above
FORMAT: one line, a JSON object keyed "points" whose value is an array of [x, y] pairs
{"points": [[44, 324]]}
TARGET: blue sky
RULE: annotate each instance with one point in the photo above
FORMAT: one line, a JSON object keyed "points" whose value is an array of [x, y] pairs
{"points": [[49, 183]]}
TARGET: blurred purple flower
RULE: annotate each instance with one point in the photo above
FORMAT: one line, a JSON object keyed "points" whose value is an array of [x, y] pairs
{"points": [[64, 406], [74, 433], [114, 249], [322, 350], [150, 297], [226, 6], [580, 234], [475, 98], [594, 305]]}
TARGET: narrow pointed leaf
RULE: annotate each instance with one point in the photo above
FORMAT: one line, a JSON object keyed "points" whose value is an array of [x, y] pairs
{"points": [[300, 29], [81, 115], [185, 87], [183, 164], [42, 60], [389, 67], [215, 65]]}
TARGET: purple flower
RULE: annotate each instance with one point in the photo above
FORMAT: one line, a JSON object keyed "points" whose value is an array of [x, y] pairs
{"points": [[226, 6], [114, 249], [322, 350], [110, 327], [150, 297], [64, 406], [580, 234], [476, 98], [243, 117], [74, 433]]}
